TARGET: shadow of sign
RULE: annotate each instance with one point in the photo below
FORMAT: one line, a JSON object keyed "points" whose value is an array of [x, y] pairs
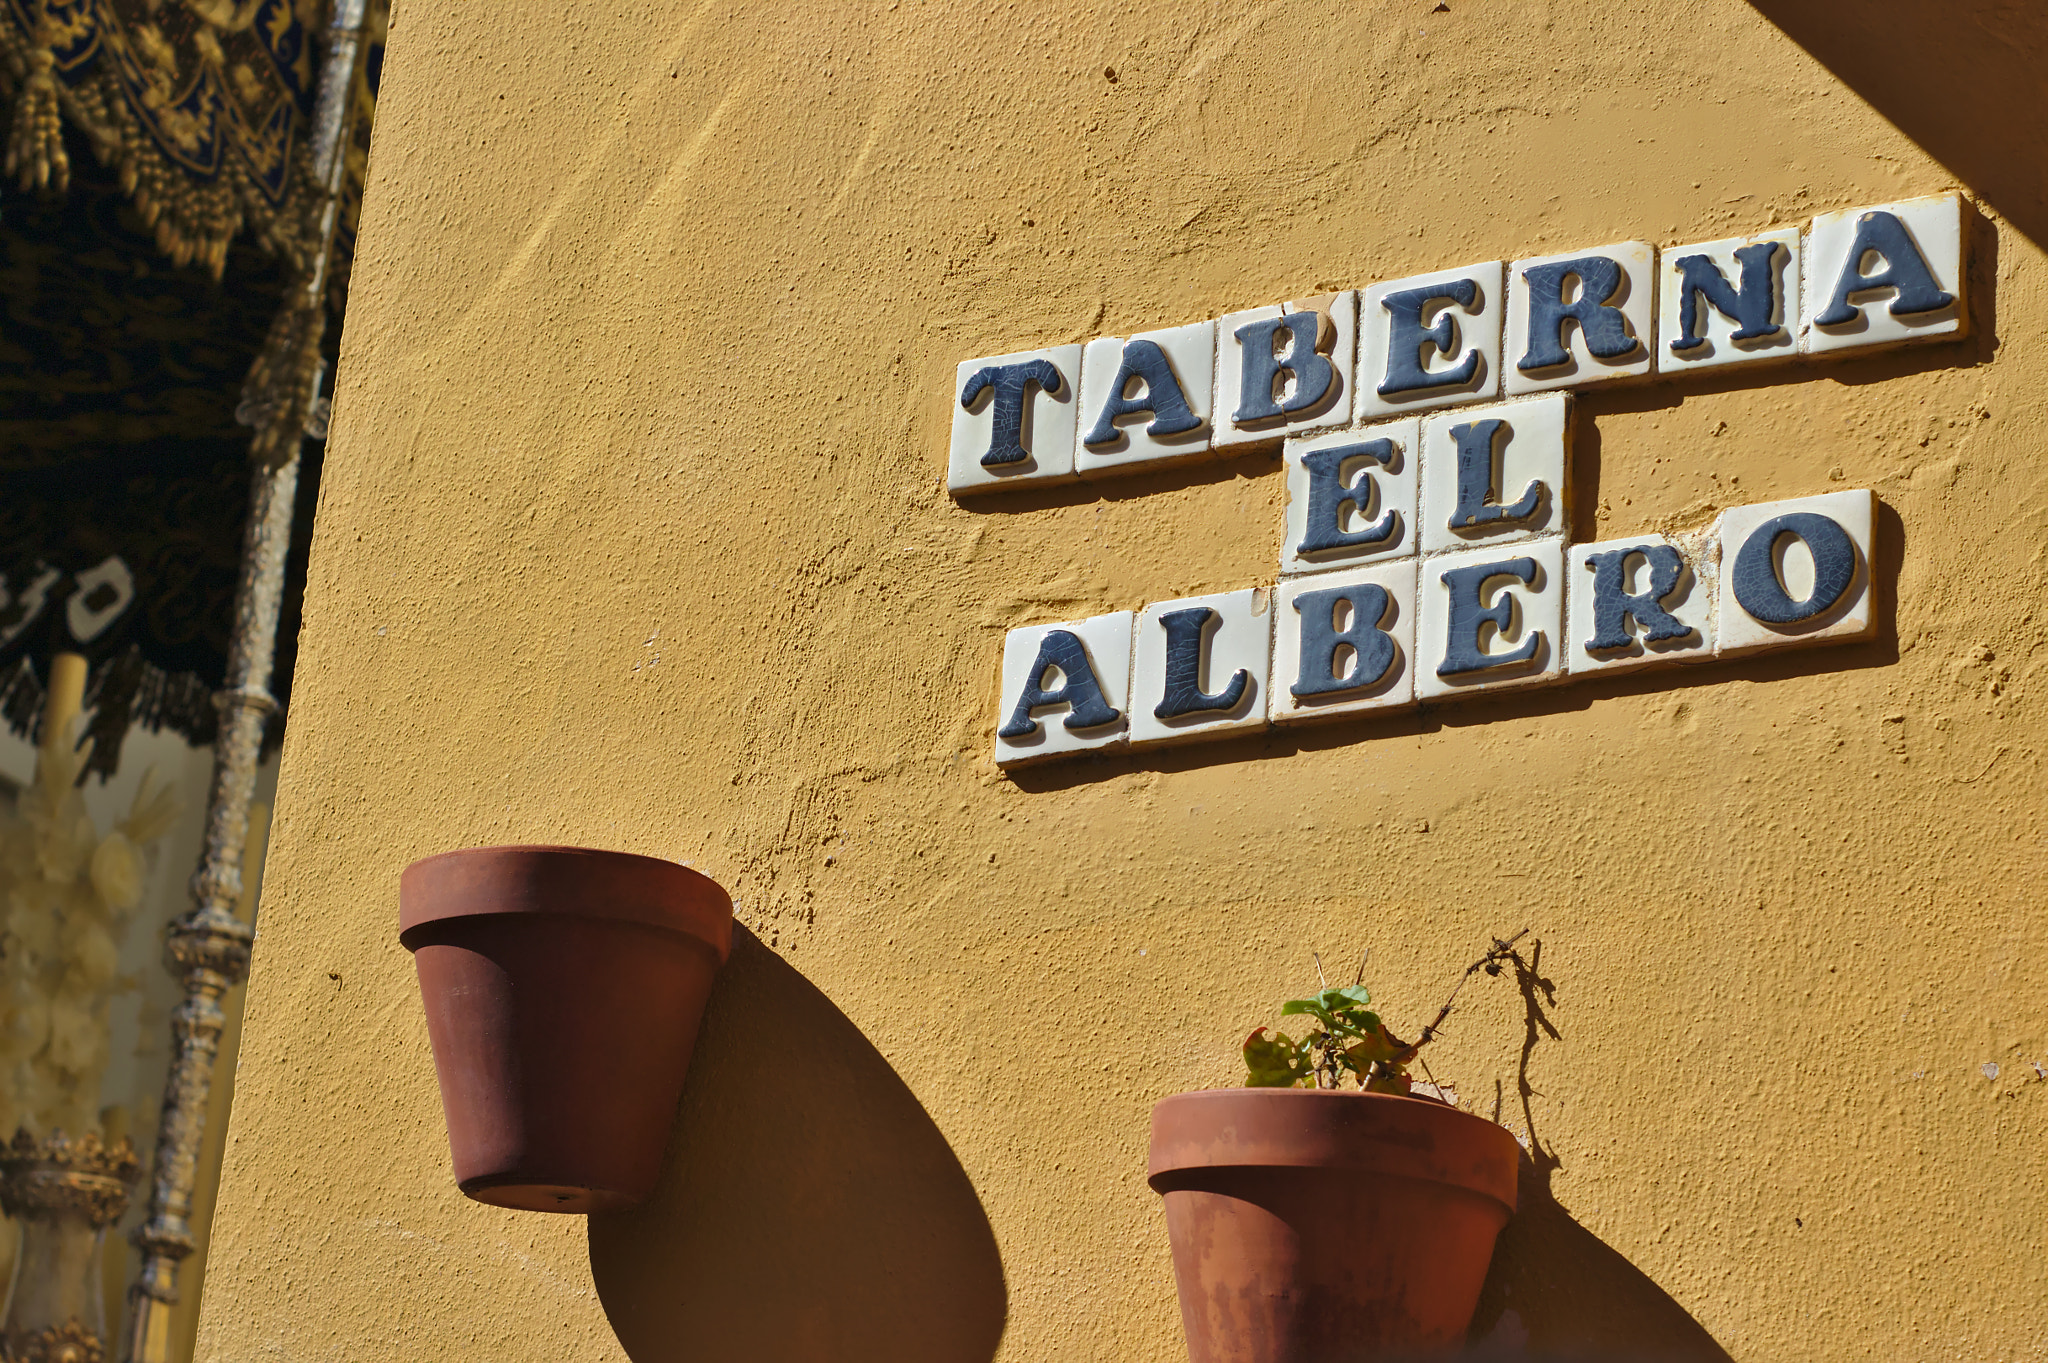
{"points": [[1556, 1291], [1962, 78], [809, 1207]]}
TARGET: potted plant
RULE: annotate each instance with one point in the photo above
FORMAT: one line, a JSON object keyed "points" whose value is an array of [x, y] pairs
{"points": [[1327, 1212], [563, 988]]}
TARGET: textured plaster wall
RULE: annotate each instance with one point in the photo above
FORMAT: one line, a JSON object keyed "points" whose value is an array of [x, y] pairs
{"points": [[632, 535]]}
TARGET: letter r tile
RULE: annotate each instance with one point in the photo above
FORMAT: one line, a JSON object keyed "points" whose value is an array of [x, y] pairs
{"points": [[1581, 318]]}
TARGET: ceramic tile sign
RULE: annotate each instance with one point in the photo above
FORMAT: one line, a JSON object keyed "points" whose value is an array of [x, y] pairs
{"points": [[1796, 572], [1421, 628], [1284, 369], [1463, 337], [1198, 669], [1344, 643], [1013, 420], [1351, 497], [1429, 341], [1491, 618], [1580, 318], [1495, 474], [1640, 602], [1066, 688], [1145, 400], [1728, 302], [1885, 276]]}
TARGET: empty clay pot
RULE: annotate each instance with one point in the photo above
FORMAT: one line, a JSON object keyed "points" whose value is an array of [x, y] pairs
{"points": [[563, 989], [1311, 1226]]}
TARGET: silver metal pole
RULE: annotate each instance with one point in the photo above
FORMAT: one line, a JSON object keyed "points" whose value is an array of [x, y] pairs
{"points": [[208, 947]]}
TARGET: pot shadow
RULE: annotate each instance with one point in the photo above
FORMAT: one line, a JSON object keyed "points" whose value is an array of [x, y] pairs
{"points": [[1555, 1290], [808, 1208]]}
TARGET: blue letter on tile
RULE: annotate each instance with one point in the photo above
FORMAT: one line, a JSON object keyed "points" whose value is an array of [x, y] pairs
{"points": [[1905, 270], [1613, 606], [1078, 688], [1313, 372], [1184, 693], [1604, 327], [1012, 383], [1162, 397], [1409, 337], [1329, 494], [1479, 444], [1321, 639], [1468, 612], [1756, 582], [1754, 306]]}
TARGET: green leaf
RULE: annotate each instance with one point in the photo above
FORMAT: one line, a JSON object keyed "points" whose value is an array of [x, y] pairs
{"points": [[1275, 1063], [1350, 996]]}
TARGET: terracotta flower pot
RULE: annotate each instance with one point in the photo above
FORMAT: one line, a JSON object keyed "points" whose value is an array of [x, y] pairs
{"points": [[563, 989], [1311, 1226]]}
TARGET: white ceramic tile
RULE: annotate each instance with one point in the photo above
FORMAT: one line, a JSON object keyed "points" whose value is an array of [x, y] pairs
{"points": [[1849, 305], [1530, 471], [1357, 489], [1741, 284], [1504, 603], [1045, 421], [1336, 344], [1032, 658], [1612, 598], [1140, 437], [1328, 610], [1779, 558], [1448, 328], [1558, 350], [1217, 650]]}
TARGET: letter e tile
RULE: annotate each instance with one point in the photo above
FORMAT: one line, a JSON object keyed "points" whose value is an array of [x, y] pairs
{"points": [[1351, 497], [1431, 340], [1489, 619]]}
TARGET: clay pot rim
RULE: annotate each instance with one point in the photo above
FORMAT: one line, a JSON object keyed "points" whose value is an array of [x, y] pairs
{"points": [[1380, 1133], [503, 881]]}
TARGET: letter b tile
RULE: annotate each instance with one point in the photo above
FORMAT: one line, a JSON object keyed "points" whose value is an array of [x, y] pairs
{"points": [[1344, 642], [1065, 688]]}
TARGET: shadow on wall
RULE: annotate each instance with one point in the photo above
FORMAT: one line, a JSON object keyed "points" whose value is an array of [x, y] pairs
{"points": [[809, 1208], [1556, 1291], [1962, 78]]}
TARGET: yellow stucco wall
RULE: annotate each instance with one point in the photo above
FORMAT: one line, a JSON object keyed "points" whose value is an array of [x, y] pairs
{"points": [[649, 357]]}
